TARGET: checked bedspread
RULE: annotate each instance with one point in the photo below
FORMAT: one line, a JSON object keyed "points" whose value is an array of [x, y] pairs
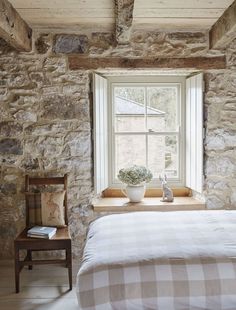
{"points": [[160, 261]]}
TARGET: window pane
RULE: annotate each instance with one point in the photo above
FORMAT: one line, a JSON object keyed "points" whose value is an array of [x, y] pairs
{"points": [[162, 108], [130, 150], [129, 109], [163, 155]]}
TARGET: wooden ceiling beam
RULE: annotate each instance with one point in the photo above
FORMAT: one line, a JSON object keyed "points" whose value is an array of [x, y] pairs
{"points": [[13, 29], [93, 63], [124, 19], [224, 30]]}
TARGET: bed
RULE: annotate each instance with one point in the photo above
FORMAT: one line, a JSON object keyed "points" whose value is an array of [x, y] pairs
{"points": [[161, 261]]}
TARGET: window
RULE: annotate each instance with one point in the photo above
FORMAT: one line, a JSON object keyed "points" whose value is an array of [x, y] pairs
{"points": [[150, 121], [146, 126]]}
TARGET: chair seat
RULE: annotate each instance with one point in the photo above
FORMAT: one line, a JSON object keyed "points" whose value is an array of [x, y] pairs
{"points": [[61, 234]]}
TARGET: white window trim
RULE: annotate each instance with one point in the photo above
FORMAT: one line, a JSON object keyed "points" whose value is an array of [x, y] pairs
{"points": [[194, 132], [141, 80], [100, 133]]}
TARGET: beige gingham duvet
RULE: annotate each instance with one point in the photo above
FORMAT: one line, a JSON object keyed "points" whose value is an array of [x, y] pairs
{"points": [[163, 261]]}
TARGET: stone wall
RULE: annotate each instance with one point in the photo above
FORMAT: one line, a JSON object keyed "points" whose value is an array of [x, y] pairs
{"points": [[220, 142], [45, 121], [45, 129]]}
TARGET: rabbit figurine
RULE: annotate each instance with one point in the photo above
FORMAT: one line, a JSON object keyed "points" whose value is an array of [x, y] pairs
{"points": [[167, 195]]}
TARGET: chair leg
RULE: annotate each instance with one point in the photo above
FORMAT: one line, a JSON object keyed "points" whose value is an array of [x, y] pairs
{"points": [[69, 265], [17, 270], [29, 257]]}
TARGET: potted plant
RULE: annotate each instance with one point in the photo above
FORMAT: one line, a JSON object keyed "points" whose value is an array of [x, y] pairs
{"points": [[135, 179]]}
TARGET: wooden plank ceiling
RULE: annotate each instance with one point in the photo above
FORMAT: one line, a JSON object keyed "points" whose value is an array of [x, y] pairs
{"points": [[167, 15]]}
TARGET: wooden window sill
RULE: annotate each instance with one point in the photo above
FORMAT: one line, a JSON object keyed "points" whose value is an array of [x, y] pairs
{"points": [[117, 204], [150, 192]]}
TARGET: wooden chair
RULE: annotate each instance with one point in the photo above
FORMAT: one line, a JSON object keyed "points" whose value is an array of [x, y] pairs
{"points": [[60, 241]]}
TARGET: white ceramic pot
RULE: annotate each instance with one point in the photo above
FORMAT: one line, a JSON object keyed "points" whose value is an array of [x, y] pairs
{"points": [[135, 193]]}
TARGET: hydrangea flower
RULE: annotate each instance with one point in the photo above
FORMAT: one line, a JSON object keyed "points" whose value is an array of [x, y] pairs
{"points": [[135, 175]]}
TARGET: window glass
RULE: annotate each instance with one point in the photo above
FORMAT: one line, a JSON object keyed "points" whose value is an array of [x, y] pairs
{"points": [[146, 128], [163, 155], [130, 150], [162, 108], [129, 109]]}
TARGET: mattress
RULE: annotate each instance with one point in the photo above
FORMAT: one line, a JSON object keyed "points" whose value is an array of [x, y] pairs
{"points": [[160, 260]]}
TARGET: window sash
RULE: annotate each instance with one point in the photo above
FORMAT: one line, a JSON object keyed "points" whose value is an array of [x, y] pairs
{"points": [[147, 134], [179, 83]]}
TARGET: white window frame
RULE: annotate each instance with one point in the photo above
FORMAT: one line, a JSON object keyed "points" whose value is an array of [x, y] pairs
{"points": [[146, 81], [192, 88]]}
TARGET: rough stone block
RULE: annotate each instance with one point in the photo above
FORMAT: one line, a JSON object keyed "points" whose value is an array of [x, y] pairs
{"points": [[67, 44], [64, 107], [102, 40], [80, 77], [18, 80], [13, 175], [30, 164], [3, 93], [8, 189], [230, 105], [39, 78], [220, 139], [56, 65], [78, 144], [43, 43], [26, 116], [11, 146], [81, 90], [51, 90], [220, 166], [43, 146], [217, 184], [3, 82], [213, 202], [8, 159], [10, 128]]}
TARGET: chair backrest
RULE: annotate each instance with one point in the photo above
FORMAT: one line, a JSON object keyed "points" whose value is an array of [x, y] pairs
{"points": [[33, 188]]}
